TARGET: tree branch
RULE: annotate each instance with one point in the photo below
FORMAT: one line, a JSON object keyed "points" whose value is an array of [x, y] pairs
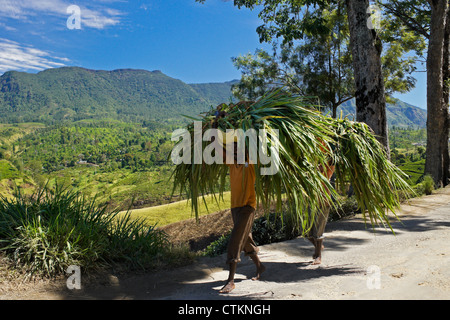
{"points": [[409, 21]]}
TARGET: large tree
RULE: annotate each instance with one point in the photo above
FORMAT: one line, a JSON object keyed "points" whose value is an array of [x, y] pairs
{"points": [[431, 19], [319, 66], [436, 120]]}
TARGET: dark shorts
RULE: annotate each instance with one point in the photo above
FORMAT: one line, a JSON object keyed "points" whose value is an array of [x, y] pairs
{"points": [[241, 237]]}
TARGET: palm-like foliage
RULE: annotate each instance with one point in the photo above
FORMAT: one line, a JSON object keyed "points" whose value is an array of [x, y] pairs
{"points": [[361, 161], [305, 140]]}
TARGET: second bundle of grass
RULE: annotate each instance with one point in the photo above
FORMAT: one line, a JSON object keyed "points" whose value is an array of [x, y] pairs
{"points": [[361, 162]]}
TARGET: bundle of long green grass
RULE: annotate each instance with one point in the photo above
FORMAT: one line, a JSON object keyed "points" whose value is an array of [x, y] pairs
{"points": [[361, 161], [298, 139]]}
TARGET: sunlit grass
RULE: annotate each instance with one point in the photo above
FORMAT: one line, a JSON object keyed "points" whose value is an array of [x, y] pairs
{"points": [[178, 211]]}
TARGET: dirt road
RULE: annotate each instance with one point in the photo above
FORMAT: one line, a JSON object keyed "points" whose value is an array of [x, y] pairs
{"points": [[357, 264]]}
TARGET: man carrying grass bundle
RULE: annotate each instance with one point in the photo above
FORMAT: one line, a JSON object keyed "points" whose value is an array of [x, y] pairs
{"points": [[243, 206]]}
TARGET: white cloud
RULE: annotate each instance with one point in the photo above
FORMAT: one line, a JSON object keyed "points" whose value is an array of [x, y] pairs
{"points": [[9, 28], [92, 16], [15, 56]]}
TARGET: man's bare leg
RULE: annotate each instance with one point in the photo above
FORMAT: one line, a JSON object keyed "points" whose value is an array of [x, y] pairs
{"points": [[318, 247], [229, 286], [260, 268]]}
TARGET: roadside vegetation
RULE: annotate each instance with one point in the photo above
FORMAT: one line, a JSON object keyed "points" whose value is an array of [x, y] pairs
{"points": [[43, 234]]}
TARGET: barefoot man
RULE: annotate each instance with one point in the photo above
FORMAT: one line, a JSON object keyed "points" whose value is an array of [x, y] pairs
{"points": [[243, 205], [316, 233]]}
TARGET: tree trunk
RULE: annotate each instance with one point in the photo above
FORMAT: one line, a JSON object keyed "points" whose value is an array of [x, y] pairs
{"points": [[436, 131], [366, 52], [334, 110], [445, 109]]}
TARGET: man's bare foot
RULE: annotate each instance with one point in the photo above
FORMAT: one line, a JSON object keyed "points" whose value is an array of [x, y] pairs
{"points": [[228, 287], [259, 271], [318, 247]]}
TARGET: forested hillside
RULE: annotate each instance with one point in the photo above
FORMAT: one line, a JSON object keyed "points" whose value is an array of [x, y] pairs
{"points": [[111, 161], [72, 94], [399, 114]]}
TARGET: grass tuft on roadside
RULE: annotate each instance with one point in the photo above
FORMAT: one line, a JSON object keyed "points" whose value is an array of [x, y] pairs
{"points": [[46, 232]]}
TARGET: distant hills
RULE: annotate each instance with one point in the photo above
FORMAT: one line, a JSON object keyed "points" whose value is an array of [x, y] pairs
{"points": [[73, 93], [399, 114]]}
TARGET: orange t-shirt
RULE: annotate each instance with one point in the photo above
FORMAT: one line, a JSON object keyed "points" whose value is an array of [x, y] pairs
{"points": [[242, 183]]}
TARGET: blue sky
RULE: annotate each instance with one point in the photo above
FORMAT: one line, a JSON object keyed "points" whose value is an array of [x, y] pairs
{"points": [[185, 40]]}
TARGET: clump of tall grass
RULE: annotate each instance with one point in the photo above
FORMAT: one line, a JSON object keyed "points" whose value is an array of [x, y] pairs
{"points": [[50, 230], [426, 186]]}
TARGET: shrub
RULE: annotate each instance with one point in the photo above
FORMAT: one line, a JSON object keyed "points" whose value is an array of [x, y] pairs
{"points": [[346, 207], [428, 184], [218, 246], [50, 230], [273, 228]]}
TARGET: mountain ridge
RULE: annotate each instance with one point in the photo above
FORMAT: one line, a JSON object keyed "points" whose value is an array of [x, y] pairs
{"points": [[399, 114], [76, 93]]}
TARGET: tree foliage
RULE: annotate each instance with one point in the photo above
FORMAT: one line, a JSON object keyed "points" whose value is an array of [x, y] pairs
{"points": [[110, 144], [320, 65]]}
